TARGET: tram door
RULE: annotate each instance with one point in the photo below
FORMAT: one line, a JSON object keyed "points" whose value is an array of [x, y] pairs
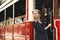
{"points": [[46, 8], [13, 25]]}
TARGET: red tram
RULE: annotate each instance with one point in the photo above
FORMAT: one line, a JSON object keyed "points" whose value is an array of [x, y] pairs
{"points": [[16, 23]]}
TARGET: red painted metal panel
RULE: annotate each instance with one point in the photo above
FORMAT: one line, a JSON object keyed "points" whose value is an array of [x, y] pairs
{"points": [[57, 29], [8, 32], [22, 31]]}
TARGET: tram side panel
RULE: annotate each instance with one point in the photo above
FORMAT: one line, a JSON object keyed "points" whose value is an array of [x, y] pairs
{"points": [[22, 31], [57, 28], [1, 33]]}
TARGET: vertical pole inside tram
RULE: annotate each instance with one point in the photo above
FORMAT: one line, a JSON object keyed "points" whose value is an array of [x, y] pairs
{"points": [[5, 22], [26, 10], [13, 23], [13, 14]]}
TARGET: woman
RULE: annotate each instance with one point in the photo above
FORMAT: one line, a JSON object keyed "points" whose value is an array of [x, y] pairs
{"points": [[38, 24]]}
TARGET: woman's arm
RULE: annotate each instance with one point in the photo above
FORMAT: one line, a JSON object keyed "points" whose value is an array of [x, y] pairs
{"points": [[49, 25]]}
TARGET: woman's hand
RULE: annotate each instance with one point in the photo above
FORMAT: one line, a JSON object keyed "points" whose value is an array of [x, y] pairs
{"points": [[49, 25]]}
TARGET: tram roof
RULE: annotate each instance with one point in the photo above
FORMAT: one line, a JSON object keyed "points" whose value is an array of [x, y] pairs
{"points": [[6, 3]]}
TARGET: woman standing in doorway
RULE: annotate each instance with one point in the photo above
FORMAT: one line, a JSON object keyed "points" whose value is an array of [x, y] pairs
{"points": [[38, 24]]}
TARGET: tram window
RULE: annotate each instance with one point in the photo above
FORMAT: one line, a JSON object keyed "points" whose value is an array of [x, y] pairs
{"points": [[58, 8], [2, 18], [9, 16], [20, 11], [9, 12]]}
